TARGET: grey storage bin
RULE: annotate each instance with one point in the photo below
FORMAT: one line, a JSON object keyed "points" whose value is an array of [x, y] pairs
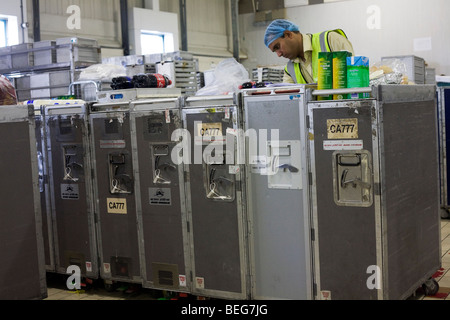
{"points": [[22, 56], [5, 58], [50, 85], [430, 76], [46, 54], [82, 50]]}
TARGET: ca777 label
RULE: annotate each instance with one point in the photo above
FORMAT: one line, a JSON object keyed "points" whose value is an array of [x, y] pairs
{"points": [[342, 128]]}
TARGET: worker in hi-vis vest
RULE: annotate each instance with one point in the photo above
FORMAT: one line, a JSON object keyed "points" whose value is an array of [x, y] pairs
{"points": [[284, 38]]}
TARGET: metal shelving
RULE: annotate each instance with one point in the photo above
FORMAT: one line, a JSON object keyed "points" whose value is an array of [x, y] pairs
{"points": [[70, 55]]}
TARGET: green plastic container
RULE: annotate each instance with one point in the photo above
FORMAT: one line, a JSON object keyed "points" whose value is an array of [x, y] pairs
{"points": [[358, 75]]}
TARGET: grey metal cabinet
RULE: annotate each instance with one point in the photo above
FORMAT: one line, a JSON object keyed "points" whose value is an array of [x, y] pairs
{"points": [[214, 196], [375, 193], [277, 187], [22, 273], [160, 199]]}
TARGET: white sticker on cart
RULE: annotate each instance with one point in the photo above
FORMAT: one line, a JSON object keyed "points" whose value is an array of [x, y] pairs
{"points": [[343, 145], [106, 267], [167, 114], [325, 295], [88, 266], [258, 165], [69, 191], [183, 282], [200, 282], [160, 196]]}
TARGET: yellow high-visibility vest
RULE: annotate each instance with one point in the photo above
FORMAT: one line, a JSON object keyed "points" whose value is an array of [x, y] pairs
{"points": [[319, 42]]}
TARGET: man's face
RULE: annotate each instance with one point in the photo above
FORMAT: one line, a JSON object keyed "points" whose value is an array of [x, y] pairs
{"points": [[287, 46]]}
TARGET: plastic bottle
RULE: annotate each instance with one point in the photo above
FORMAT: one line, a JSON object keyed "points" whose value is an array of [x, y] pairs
{"points": [[121, 83], [151, 80]]}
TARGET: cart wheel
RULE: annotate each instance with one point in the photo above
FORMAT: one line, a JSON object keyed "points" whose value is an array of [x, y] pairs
{"points": [[444, 214], [109, 286], [430, 287]]}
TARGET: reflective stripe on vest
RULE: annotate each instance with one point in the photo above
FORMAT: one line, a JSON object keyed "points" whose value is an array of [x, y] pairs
{"points": [[319, 42]]}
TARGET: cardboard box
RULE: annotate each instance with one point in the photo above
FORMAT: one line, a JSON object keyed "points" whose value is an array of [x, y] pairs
{"points": [[340, 72], [358, 75], [325, 73]]}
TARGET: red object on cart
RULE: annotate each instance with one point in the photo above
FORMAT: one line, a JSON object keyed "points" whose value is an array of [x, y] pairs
{"points": [[7, 92]]}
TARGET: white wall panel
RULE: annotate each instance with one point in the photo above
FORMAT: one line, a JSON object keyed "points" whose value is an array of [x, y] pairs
{"points": [[400, 24]]}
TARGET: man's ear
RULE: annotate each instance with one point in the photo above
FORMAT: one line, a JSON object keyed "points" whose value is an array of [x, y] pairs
{"points": [[287, 34]]}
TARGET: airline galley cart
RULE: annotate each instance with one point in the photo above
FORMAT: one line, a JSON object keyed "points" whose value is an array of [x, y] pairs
{"points": [[159, 190], [214, 165], [22, 273], [277, 187], [70, 184], [114, 190], [375, 193]]}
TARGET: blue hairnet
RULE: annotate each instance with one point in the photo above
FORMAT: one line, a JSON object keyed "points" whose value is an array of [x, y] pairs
{"points": [[276, 29]]}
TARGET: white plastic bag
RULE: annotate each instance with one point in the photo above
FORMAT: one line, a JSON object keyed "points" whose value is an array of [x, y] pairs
{"points": [[388, 71], [102, 72], [228, 76]]}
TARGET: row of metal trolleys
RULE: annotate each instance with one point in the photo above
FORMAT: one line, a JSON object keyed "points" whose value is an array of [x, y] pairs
{"points": [[263, 194]]}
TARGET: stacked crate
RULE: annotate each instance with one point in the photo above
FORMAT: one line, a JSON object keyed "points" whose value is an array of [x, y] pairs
{"points": [[181, 68], [266, 74], [45, 69], [415, 67]]}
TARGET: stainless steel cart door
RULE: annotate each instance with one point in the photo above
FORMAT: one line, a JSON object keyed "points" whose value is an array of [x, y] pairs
{"points": [[278, 198], [114, 189], [214, 194], [347, 240], [71, 185], [160, 193]]}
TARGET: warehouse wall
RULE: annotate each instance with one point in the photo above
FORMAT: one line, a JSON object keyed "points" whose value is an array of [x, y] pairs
{"points": [[100, 20], [403, 27]]}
